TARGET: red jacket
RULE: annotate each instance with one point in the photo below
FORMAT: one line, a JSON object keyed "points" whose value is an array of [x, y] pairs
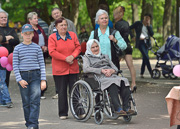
{"points": [[59, 50], [36, 36]]}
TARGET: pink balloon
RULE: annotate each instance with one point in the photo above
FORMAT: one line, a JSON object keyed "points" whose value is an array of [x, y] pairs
{"points": [[10, 58], [4, 61], [0, 60], [9, 67], [176, 70], [3, 52]]}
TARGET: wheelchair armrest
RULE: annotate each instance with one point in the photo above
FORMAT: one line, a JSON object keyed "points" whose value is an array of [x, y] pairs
{"points": [[79, 57], [119, 71]]}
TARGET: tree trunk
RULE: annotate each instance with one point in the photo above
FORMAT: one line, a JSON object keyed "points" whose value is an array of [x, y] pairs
{"points": [[167, 20], [173, 20], [92, 7], [177, 17], [44, 15], [135, 16], [70, 9], [75, 11], [147, 8]]}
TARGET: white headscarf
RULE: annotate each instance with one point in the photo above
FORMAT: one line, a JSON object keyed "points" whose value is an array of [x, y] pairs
{"points": [[88, 47]]}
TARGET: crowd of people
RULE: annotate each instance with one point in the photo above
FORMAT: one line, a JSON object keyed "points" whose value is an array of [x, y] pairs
{"points": [[61, 42]]}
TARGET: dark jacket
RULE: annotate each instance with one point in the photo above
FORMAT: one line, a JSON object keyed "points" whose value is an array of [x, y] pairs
{"points": [[138, 28], [123, 27], [5, 31], [36, 36]]}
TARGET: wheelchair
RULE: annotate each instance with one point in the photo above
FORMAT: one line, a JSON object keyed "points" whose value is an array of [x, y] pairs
{"points": [[83, 95]]}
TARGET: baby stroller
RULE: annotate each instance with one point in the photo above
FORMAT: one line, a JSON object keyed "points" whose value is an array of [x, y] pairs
{"points": [[169, 52], [82, 98]]}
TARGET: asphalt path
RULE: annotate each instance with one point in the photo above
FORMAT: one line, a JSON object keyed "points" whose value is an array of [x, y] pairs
{"points": [[150, 101]]}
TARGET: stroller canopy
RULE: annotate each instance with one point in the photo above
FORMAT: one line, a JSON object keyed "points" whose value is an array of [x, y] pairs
{"points": [[171, 49]]}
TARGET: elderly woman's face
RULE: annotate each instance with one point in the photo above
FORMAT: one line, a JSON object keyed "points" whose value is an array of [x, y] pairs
{"points": [[3, 18], [34, 20], [95, 48], [62, 27], [103, 20]]}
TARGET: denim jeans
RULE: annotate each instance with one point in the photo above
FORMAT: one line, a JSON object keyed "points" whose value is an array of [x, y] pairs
{"points": [[4, 93], [144, 51], [31, 97]]}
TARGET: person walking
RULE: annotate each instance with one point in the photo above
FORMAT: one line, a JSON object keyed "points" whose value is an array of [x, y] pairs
{"points": [[123, 27], [143, 31], [30, 75], [39, 38]]}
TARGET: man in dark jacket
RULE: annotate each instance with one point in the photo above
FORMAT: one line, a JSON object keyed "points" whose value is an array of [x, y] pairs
{"points": [[11, 38], [143, 33]]}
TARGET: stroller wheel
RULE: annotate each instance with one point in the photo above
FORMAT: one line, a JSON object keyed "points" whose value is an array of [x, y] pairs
{"points": [[156, 74], [172, 76], [165, 75]]}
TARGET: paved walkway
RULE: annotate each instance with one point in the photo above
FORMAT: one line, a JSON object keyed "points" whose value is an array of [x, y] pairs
{"points": [[150, 101]]}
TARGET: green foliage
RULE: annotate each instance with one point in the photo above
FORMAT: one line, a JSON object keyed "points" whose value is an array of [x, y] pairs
{"points": [[18, 9], [84, 19]]}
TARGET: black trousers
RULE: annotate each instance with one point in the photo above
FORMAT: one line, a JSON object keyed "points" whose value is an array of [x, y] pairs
{"points": [[114, 90], [61, 83], [124, 93], [7, 77]]}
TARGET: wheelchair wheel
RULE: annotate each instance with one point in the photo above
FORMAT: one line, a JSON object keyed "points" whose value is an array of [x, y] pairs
{"points": [[127, 118], [156, 74], [81, 101], [109, 108], [98, 117]]}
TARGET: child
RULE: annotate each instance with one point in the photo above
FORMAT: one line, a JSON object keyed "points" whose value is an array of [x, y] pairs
{"points": [[29, 69], [5, 99]]}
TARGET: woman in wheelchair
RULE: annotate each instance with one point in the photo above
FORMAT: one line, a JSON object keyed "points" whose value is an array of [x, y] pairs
{"points": [[106, 71]]}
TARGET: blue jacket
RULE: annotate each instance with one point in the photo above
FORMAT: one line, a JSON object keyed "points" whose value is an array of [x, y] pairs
{"points": [[138, 28]]}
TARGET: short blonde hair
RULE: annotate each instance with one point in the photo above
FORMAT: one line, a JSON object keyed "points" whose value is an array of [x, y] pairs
{"points": [[31, 14]]}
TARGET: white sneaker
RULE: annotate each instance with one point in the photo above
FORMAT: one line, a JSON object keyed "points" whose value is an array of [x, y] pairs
{"points": [[63, 117], [55, 96], [43, 97]]}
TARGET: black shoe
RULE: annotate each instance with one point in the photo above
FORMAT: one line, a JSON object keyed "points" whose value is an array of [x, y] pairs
{"points": [[134, 89]]}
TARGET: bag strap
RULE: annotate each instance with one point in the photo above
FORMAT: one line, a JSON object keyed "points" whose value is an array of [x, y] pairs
{"points": [[112, 31], [96, 34]]}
